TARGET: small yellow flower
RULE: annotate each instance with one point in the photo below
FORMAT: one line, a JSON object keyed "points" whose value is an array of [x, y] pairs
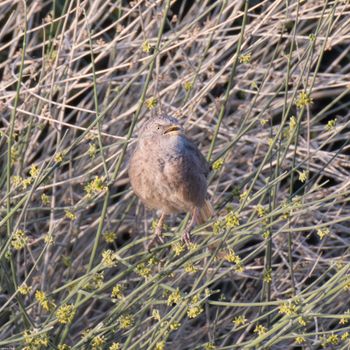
{"points": [[267, 276], [331, 124], [63, 347], [156, 314], [301, 321], [65, 313], [16, 180], [263, 121], [254, 85], [97, 342], [44, 302], [110, 236], [344, 320], [98, 280], [245, 58], [297, 202], [260, 210], [239, 320], [286, 210], [178, 248], [192, 246], [95, 186], [300, 340], [48, 239], [92, 150], [345, 336], [194, 310], [160, 345], [109, 258], [292, 123], [232, 220], [58, 158], [26, 182], [143, 270], [332, 339], [288, 309], [125, 321], [188, 85], [152, 261], [209, 346], [85, 334], [303, 100], [117, 292], [239, 267], [244, 196], [146, 46], [174, 325], [260, 330], [312, 37], [230, 256], [24, 289], [174, 297], [347, 286], [195, 299], [34, 171], [35, 340], [323, 232], [14, 154], [208, 292], [303, 175], [151, 103], [19, 240], [217, 165], [70, 215], [114, 346], [45, 199], [266, 234], [217, 227], [190, 268]]}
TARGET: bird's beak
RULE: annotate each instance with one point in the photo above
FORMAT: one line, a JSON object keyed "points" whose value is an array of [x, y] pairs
{"points": [[173, 129]]}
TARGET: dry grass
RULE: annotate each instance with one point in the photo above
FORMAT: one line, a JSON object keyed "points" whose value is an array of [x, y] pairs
{"points": [[258, 86]]}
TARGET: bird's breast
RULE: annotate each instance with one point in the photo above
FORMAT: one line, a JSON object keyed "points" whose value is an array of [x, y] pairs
{"points": [[163, 177]]}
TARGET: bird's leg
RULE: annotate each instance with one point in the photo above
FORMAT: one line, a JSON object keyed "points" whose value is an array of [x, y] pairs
{"points": [[158, 232], [158, 229], [186, 236]]}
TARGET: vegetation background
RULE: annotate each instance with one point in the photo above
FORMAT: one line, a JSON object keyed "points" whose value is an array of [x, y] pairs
{"points": [[262, 87]]}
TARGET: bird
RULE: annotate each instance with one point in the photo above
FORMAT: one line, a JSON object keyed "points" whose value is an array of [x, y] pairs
{"points": [[169, 174]]}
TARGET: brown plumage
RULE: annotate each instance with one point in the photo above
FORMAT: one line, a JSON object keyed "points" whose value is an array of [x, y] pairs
{"points": [[168, 172]]}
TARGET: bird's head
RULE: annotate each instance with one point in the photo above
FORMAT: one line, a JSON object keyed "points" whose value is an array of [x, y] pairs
{"points": [[161, 126]]}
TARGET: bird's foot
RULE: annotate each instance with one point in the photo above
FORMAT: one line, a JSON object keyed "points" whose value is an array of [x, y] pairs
{"points": [[157, 238], [186, 237]]}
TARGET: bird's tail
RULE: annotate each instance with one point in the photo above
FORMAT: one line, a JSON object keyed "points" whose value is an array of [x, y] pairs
{"points": [[205, 212]]}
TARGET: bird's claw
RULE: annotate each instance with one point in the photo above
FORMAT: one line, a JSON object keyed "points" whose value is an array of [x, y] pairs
{"points": [[186, 237], [157, 238]]}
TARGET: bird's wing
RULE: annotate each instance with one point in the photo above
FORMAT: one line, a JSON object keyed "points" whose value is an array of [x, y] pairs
{"points": [[197, 157]]}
